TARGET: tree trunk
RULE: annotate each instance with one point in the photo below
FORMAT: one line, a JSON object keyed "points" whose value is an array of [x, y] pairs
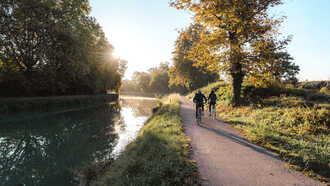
{"points": [[236, 68], [104, 88], [237, 85]]}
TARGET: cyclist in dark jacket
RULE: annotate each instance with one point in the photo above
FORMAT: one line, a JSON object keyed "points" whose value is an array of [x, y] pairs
{"points": [[199, 99], [212, 100]]}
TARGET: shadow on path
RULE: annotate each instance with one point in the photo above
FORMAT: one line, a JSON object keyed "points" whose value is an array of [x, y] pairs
{"points": [[227, 158], [240, 141], [206, 122]]}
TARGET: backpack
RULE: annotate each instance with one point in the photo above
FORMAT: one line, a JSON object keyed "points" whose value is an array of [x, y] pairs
{"points": [[198, 98]]}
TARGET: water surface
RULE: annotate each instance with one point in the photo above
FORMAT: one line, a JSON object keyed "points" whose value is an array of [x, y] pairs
{"points": [[49, 149]]}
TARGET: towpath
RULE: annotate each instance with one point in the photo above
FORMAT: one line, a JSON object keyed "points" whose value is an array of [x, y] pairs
{"points": [[226, 158]]}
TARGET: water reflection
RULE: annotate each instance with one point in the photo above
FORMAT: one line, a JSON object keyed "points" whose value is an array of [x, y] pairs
{"points": [[46, 151], [134, 113]]}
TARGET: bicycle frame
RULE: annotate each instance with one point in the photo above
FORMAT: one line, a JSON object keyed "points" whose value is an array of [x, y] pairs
{"points": [[199, 115]]}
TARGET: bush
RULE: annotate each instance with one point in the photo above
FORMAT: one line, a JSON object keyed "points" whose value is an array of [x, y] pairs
{"points": [[318, 97], [324, 90], [225, 94], [252, 94], [294, 92], [314, 84], [306, 94], [289, 86]]}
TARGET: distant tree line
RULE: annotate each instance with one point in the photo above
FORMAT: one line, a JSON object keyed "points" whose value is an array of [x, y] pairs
{"points": [[182, 76], [153, 82], [50, 47], [161, 80]]}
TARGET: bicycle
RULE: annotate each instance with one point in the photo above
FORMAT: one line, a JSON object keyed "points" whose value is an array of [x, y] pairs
{"points": [[213, 113], [199, 116]]}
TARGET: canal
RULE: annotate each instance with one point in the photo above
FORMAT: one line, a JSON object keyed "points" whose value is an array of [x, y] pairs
{"points": [[55, 148]]}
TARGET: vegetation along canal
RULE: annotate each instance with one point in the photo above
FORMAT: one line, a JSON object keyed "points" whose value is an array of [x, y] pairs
{"points": [[50, 150]]}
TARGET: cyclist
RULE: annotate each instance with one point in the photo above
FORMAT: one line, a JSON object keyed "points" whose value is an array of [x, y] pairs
{"points": [[199, 100], [212, 100]]}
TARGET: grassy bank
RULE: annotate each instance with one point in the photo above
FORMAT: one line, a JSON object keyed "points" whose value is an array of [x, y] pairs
{"points": [[158, 156], [47, 104], [292, 122]]}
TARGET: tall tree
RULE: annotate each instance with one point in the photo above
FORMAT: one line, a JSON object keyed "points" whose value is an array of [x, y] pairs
{"points": [[52, 47], [230, 27], [184, 70], [159, 82], [23, 33], [271, 63]]}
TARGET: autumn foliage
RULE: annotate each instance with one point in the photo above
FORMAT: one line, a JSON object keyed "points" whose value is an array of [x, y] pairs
{"points": [[239, 39]]}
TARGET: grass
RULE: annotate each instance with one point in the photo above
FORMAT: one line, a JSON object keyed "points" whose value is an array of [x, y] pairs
{"points": [[160, 155], [292, 122]]}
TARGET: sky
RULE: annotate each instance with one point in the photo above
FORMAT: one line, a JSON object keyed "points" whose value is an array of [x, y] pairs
{"points": [[143, 32]]}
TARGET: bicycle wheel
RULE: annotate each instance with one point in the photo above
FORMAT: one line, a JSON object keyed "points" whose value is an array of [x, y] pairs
{"points": [[213, 112], [199, 117]]}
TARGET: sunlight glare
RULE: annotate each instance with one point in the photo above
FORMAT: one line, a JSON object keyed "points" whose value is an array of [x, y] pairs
{"points": [[137, 48]]}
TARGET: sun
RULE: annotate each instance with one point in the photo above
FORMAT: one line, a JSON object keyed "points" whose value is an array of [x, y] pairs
{"points": [[116, 53]]}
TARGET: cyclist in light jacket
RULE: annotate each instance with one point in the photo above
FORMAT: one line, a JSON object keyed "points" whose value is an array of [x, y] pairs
{"points": [[212, 100]]}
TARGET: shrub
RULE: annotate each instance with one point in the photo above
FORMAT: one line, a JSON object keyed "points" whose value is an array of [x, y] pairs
{"points": [[318, 97], [289, 86], [294, 92], [324, 90], [225, 94], [314, 84], [252, 94]]}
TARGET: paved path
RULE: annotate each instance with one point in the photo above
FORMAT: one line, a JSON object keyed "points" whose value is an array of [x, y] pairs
{"points": [[225, 158]]}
